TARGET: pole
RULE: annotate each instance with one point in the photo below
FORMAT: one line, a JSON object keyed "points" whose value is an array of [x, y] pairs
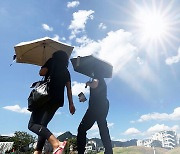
{"points": [[154, 152]]}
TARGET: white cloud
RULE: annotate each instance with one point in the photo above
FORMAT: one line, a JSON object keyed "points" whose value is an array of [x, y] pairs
{"points": [[118, 49], [83, 41], [58, 113], [63, 38], [110, 125], [102, 26], [79, 21], [57, 133], [161, 116], [17, 108], [139, 61], [46, 27], [161, 127], [10, 134], [56, 37], [115, 48], [132, 131], [173, 59], [94, 131], [150, 131], [121, 140], [175, 128], [95, 126], [79, 87], [153, 116], [157, 128], [88, 47], [94, 134], [72, 4]]}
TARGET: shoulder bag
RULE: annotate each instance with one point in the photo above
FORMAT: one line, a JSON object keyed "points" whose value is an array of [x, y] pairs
{"points": [[39, 95]]}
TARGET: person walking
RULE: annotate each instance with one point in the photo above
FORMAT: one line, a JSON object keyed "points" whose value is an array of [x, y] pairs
{"points": [[96, 112], [57, 69]]}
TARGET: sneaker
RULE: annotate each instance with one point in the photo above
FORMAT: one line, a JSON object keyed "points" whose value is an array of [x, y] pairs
{"points": [[60, 149]]}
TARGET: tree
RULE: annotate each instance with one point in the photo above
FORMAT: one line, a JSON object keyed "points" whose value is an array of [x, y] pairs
{"points": [[71, 142], [22, 140], [5, 139]]}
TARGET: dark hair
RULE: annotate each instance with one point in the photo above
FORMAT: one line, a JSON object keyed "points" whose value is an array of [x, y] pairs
{"points": [[60, 58], [59, 66]]}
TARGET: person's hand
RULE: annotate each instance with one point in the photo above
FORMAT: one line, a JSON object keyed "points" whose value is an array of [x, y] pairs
{"points": [[80, 100], [72, 109], [87, 84], [92, 84]]}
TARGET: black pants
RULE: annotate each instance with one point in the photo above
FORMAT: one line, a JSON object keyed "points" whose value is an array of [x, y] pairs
{"points": [[39, 121], [94, 114]]}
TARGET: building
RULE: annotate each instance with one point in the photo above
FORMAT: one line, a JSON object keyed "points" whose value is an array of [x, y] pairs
{"points": [[169, 139], [6, 146], [149, 143], [91, 146], [165, 139], [146, 142]]}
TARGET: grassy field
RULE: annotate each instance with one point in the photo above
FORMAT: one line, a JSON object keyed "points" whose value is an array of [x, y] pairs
{"points": [[143, 150], [174, 151]]}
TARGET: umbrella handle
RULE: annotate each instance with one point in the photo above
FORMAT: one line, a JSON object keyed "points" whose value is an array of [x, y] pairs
{"points": [[90, 80], [12, 62], [14, 59], [78, 61]]}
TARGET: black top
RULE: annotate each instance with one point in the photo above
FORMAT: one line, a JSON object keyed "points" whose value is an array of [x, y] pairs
{"points": [[98, 95], [58, 78]]}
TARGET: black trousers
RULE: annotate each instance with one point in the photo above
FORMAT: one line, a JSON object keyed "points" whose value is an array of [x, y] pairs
{"points": [[39, 121], [95, 114]]}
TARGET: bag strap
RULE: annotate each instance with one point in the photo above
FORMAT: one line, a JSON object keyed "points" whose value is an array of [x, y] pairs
{"points": [[48, 79], [43, 78], [34, 84]]}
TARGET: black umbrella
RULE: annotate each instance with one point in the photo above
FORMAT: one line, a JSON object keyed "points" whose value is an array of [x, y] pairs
{"points": [[88, 64]]}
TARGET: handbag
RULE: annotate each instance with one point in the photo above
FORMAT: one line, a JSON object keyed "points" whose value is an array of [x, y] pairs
{"points": [[39, 95]]}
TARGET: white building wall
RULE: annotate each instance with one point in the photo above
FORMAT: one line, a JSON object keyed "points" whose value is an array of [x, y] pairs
{"points": [[147, 142], [140, 142], [92, 142], [5, 146], [168, 139]]}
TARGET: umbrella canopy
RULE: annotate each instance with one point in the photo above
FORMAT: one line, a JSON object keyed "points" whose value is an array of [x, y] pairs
{"points": [[38, 51], [87, 65]]}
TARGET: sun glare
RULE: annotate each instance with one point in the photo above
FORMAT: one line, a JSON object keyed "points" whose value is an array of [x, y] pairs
{"points": [[154, 23], [153, 26]]}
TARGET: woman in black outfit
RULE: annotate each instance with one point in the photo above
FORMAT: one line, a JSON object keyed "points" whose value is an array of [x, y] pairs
{"points": [[96, 112], [56, 68]]}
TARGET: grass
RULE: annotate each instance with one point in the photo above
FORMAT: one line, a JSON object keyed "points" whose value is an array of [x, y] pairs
{"points": [[174, 151], [139, 150]]}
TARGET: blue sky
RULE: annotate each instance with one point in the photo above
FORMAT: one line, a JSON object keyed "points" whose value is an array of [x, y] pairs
{"points": [[140, 39]]}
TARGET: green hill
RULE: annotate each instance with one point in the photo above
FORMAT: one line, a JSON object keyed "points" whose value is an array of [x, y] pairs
{"points": [[66, 135]]}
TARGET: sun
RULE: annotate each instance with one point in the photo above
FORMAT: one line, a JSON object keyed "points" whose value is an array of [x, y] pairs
{"points": [[154, 23]]}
